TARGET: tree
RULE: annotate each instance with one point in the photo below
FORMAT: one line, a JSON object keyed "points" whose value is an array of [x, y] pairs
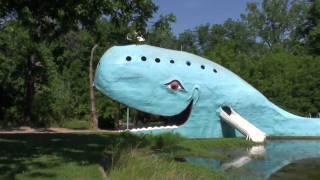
{"points": [[312, 28], [276, 21], [45, 21], [187, 41], [12, 53], [161, 32]]}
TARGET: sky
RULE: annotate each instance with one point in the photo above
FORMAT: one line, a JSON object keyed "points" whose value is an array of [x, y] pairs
{"points": [[191, 13]]}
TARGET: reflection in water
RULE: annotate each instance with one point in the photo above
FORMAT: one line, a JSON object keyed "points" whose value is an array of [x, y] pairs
{"points": [[212, 163], [253, 153], [262, 161], [309, 167]]}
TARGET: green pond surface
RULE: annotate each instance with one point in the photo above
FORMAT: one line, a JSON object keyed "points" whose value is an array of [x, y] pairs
{"points": [[277, 159]]}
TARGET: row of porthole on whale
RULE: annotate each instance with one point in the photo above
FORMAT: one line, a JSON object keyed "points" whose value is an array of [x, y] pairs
{"points": [[157, 60]]}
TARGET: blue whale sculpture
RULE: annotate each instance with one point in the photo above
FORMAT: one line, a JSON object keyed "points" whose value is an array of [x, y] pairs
{"points": [[190, 91]]}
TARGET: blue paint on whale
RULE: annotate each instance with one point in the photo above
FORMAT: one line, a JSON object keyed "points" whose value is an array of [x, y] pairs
{"points": [[142, 83]]}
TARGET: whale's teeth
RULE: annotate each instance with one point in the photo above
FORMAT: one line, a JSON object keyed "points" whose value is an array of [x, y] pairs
{"points": [[172, 127], [151, 128]]}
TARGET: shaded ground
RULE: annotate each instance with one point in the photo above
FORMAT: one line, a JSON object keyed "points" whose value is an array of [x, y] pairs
{"points": [[302, 169], [57, 156], [25, 129]]}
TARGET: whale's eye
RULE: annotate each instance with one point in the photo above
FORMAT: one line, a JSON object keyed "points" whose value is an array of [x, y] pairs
{"points": [[175, 85]]}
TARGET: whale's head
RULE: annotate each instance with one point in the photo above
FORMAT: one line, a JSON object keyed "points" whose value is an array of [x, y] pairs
{"points": [[187, 89], [150, 79], [184, 88]]}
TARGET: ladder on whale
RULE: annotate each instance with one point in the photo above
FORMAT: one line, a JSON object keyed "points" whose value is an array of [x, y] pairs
{"points": [[232, 118]]}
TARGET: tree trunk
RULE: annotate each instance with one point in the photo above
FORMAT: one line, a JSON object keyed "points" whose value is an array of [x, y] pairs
{"points": [[29, 81], [94, 119]]}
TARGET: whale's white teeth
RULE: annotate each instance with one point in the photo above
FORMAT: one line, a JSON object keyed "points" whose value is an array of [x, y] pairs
{"points": [[171, 127], [151, 128]]}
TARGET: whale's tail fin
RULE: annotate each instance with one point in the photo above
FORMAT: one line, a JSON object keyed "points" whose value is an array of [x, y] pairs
{"points": [[288, 124]]}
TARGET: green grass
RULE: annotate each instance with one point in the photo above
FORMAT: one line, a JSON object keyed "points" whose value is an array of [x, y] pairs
{"points": [[143, 165], [76, 124], [51, 156], [176, 146], [124, 156], [153, 157], [210, 148]]}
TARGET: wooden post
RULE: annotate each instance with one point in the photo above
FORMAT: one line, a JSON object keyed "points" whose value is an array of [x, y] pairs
{"points": [[127, 118], [94, 119]]}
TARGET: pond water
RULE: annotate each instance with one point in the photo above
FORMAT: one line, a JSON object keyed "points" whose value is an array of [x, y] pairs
{"points": [[275, 159]]}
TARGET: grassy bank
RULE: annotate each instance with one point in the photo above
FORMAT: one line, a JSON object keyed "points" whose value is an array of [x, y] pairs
{"points": [[145, 165], [51, 156], [124, 156], [162, 157]]}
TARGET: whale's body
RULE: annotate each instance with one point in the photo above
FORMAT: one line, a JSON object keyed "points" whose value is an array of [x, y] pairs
{"points": [[141, 77]]}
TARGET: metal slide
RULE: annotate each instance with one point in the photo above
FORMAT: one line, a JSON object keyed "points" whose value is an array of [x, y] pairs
{"points": [[245, 127]]}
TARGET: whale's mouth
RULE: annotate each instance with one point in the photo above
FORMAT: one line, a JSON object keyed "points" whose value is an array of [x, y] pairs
{"points": [[153, 122]]}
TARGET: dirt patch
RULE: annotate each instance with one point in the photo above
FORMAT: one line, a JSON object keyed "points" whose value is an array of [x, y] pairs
{"points": [[26, 129]]}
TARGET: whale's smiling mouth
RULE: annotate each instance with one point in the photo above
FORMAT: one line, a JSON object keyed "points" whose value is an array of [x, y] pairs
{"points": [[168, 122]]}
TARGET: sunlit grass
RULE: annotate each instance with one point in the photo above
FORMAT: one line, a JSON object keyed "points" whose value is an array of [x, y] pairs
{"points": [[153, 157], [207, 147], [143, 165], [124, 156], [76, 124]]}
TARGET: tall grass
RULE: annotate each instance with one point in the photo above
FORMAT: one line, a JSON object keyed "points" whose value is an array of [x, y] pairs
{"points": [[153, 157], [165, 141], [121, 144], [142, 165], [126, 142]]}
